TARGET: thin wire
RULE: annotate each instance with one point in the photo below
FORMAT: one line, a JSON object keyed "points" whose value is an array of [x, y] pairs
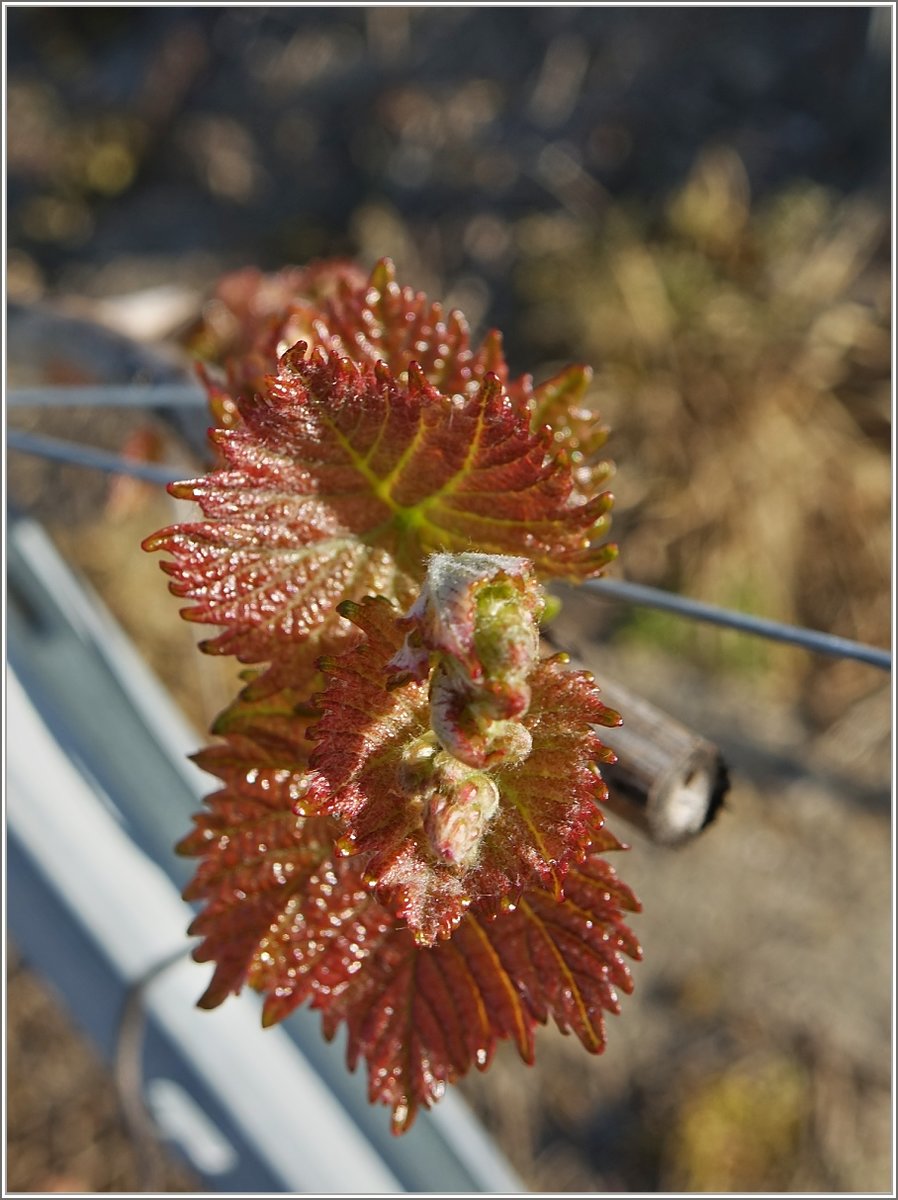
{"points": [[810, 639], [128, 1074], [151, 395], [88, 456], [616, 589]]}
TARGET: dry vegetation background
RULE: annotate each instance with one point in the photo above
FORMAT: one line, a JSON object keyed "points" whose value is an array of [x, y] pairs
{"points": [[694, 201]]}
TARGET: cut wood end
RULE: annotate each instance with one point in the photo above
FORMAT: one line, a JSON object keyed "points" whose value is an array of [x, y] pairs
{"points": [[667, 781], [682, 806]]}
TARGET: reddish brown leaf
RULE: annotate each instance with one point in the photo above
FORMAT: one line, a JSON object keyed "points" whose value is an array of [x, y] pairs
{"points": [[576, 428], [366, 774], [253, 318], [340, 482], [285, 916], [421, 1017], [383, 322], [257, 855], [260, 863], [280, 913]]}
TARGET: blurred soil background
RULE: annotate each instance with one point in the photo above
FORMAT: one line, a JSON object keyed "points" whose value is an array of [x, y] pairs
{"points": [[696, 202]]}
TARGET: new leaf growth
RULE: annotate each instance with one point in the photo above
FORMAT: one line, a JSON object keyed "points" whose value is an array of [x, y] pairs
{"points": [[407, 832]]}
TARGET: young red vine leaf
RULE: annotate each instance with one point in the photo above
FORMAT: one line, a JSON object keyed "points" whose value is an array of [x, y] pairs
{"points": [[287, 916], [339, 481], [421, 1018], [253, 319], [406, 834], [435, 834]]}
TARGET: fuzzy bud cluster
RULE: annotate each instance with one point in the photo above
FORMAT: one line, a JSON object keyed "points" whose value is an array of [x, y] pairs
{"points": [[457, 801], [473, 636], [473, 633]]}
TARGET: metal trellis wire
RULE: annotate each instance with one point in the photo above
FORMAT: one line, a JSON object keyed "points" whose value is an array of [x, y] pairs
{"points": [[77, 454], [134, 395], [695, 610]]}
